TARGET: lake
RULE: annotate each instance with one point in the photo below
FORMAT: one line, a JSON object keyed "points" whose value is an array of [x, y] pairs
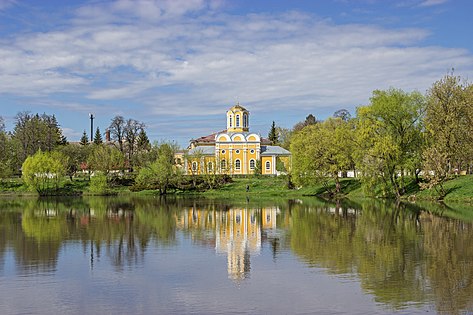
{"points": [[146, 255]]}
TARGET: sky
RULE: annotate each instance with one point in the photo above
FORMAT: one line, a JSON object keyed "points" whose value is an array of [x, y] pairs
{"points": [[178, 65]]}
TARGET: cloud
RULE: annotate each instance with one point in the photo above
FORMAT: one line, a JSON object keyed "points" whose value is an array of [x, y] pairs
{"points": [[429, 3], [165, 59]]}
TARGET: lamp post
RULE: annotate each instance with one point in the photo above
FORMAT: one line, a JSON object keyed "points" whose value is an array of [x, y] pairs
{"points": [[91, 116]]}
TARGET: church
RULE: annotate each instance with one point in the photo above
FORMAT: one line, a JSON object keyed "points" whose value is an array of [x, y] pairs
{"points": [[235, 150]]}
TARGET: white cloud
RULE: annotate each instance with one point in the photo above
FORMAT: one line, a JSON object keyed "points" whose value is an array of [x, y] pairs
{"points": [[171, 58], [429, 3]]}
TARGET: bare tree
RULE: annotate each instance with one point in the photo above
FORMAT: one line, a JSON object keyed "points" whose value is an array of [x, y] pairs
{"points": [[117, 131]]}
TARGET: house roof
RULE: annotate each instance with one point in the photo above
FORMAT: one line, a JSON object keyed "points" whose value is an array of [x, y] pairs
{"points": [[273, 150]]}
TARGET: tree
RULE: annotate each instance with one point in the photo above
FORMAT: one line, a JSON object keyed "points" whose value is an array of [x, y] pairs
{"points": [[84, 140], [43, 171], [161, 173], [309, 120], [143, 143], [389, 138], [6, 157], [273, 135], [131, 135], [449, 121], [322, 151], [343, 114], [98, 137], [77, 156], [117, 131], [285, 135], [105, 159]]}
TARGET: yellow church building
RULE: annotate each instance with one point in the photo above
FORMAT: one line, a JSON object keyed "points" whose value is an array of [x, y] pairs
{"points": [[235, 150]]}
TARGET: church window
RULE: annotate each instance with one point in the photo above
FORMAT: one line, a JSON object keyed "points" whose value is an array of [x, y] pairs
{"points": [[231, 121], [237, 164], [268, 165], [252, 164], [223, 151], [223, 164], [194, 166], [252, 151], [210, 167], [238, 120], [245, 120], [237, 151]]}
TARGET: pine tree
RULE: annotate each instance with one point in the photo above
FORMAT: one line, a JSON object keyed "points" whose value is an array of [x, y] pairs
{"points": [[98, 137], [143, 141], [84, 140], [273, 134]]}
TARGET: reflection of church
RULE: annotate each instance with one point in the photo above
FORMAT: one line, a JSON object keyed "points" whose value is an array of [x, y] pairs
{"points": [[236, 232]]}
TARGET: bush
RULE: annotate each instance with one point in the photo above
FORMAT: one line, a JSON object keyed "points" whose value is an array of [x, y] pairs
{"points": [[98, 184]]}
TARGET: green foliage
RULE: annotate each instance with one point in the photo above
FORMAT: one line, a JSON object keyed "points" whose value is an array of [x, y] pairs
{"points": [[449, 126], [162, 173], [106, 158], [389, 138], [98, 184], [42, 171], [98, 137], [273, 135], [84, 140], [321, 151]]}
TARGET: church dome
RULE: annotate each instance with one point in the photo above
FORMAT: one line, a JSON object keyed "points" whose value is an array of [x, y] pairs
{"points": [[238, 119]]}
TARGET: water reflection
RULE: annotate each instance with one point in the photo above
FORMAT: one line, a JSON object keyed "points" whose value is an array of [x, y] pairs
{"points": [[403, 255], [236, 232]]}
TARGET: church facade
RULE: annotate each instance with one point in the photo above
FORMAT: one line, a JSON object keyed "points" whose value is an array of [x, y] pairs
{"points": [[235, 150]]}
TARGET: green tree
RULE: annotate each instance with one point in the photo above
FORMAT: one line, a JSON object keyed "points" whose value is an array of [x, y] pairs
{"points": [[322, 151], [143, 143], [106, 158], [162, 173], [44, 170], [98, 137], [309, 120], [389, 138], [449, 127], [273, 135], [6, 157], [84, 140]]}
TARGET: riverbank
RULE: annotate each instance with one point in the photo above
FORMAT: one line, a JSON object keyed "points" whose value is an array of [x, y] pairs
{"points": [[459, 189]]}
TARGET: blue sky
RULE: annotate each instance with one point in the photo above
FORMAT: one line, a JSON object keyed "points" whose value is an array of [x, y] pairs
{"points": [[178, 65]]}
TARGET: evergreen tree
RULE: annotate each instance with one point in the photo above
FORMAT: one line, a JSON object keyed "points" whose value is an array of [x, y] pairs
{"points": [[273, 134], [98, 137], [84, 140], [143, 141]]}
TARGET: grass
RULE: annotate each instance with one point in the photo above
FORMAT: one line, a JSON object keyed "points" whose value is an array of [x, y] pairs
{"points": [[458, 189]]}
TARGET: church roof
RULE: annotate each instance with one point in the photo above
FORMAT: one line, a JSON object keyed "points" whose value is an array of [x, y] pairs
{"points": [[204, 150], [238, 107], [273, 150], [210, 139]]}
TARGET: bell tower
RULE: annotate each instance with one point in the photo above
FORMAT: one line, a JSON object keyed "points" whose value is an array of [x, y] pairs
{"points": [[238, 119]]}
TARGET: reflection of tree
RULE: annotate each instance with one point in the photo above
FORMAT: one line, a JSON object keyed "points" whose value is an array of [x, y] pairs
{"points": [[119, 227], [379, 245], [449, 260]]}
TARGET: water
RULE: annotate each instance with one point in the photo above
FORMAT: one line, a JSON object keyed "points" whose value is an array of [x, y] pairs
{"points": [[190, 256]]}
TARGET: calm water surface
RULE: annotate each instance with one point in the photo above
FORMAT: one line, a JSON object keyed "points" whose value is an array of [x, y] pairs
{"points": [[152, 256]]}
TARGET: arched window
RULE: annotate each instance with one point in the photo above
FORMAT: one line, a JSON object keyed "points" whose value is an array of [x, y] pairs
{"points": [[194, 166], [223, 164], [210, 167], [245, 120], [238, 120], [268, 165], [252, 164], [237, 164], [231, 120]]}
